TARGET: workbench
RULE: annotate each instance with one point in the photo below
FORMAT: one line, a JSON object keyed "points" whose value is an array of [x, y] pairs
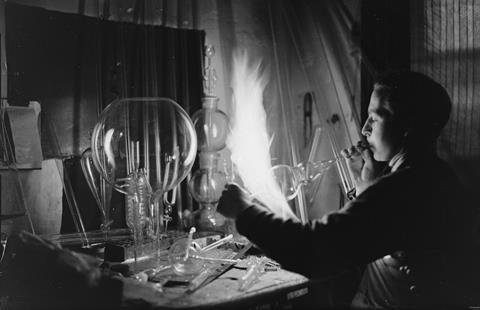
{"points": [[40, 274], [273, 290]]}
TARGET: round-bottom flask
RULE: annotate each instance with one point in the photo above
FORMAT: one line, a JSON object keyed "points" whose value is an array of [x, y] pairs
{"points": [[207, 219], [206, 186], [183, 262]]}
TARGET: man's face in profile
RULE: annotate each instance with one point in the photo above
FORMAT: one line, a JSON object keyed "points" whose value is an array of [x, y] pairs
{"points": [[383, 138]]}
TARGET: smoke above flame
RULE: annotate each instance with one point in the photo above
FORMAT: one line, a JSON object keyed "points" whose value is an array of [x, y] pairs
{"points": [[248, 140]]}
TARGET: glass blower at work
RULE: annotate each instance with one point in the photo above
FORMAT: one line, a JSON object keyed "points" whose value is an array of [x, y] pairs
{"points": [[407, 222]]}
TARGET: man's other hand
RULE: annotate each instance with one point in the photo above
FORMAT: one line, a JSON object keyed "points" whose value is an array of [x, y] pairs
{"points": [[234, 201]]}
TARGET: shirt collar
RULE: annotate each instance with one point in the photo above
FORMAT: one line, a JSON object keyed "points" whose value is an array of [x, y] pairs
{"points": [[397, 161]]}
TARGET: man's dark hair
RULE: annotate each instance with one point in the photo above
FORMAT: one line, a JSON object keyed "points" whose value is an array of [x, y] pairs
{"points": [[421, 104]]}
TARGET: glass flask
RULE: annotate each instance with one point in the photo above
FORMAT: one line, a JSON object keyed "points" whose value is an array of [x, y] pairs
{"points": [[291, 178], [181, 257], [187, 257], [144, 147], [211, 125], [206, 186]]}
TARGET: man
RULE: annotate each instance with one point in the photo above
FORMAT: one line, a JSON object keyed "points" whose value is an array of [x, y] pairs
{"points": [[408, 223]]}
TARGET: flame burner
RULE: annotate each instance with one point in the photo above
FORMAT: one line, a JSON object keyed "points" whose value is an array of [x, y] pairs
{"points": [[248, 141]]}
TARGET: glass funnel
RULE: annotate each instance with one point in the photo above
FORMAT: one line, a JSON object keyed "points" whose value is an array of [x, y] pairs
{"points": [[100, 190]]}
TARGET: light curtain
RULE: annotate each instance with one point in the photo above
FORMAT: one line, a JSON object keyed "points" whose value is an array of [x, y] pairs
{"points": [[314, 55]]}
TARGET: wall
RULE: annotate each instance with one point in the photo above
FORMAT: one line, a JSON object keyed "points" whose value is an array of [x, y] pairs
{"points": [[40, 195], [3, 60]]}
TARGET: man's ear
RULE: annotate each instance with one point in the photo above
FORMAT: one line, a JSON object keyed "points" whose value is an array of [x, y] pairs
{"points": [[409, 127], [404, 128]]}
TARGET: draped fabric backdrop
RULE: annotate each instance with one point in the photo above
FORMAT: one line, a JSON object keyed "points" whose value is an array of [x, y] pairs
{"points": [[385, 42], [76, 65], [315, 55], [445, 43]]}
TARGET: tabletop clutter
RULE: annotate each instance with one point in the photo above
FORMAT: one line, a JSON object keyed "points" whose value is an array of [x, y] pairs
{"points": [[191, 263]]}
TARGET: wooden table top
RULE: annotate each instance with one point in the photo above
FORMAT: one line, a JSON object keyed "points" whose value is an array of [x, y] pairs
{"points": [[223, 292]]}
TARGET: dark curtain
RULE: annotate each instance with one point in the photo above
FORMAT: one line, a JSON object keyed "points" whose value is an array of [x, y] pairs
{"points": [[445, 44], [385, 42], [76, 65]]}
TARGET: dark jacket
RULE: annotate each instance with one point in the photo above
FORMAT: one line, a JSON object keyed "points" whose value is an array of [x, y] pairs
{"points": [[412, 228]]}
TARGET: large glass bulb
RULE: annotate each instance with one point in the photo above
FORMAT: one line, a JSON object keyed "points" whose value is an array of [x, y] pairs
{"points": [[144, 147], [154, 134], [211, 126]]}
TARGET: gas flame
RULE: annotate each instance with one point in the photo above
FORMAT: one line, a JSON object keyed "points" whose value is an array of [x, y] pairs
{"points": [[248, 140]]}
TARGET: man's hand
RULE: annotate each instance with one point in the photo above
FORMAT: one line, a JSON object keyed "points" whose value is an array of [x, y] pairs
{"points": [[364, 169], [234, 201]]}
